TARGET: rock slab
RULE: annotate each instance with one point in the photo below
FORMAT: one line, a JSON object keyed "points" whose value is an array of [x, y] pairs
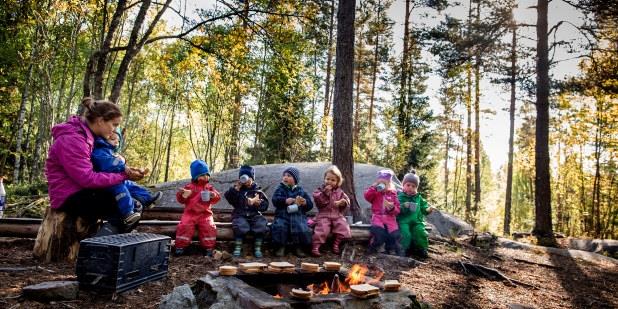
{"points": [[52, 291], [181, 298]]}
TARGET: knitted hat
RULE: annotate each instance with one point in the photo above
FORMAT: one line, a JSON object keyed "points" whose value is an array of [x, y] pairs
{"points": [[247, 170], [199, 168], [412, 177], [385, 175], [294, 172]]}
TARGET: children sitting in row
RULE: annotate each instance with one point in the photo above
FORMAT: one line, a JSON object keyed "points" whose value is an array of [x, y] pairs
{"points": [[292, 203]]}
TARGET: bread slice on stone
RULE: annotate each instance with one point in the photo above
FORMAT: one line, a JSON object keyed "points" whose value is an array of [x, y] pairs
{"points": [[364, 290], [301, 294], [227, 270], [391, 285], [310, 267]]}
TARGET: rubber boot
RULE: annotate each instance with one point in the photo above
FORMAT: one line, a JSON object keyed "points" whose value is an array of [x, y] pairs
{"points": [[257, 247], [315, 250], [336, 244], [299, 252], [280, 251], [237, 247]]}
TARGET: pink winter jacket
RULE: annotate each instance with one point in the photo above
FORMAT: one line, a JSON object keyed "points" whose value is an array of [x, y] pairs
{"points": [[380, 215], [68, 167], [326, 203]]}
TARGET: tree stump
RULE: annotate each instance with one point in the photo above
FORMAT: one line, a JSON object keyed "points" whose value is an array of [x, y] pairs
{"points": [[59, 235]]}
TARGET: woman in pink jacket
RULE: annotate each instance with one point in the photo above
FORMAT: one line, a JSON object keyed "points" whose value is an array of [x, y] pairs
{"points": [[332, 203], [73, 184], [384, 208]]}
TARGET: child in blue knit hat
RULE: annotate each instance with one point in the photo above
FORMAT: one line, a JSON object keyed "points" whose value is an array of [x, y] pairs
{"points": [[129, 195], [249, 202], [292, 204], [198, 196]]}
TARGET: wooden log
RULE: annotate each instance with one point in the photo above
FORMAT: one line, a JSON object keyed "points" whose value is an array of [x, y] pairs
{"points": [[26, 228], [59, 235]]}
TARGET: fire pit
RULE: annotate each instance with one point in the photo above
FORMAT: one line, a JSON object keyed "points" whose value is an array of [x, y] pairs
{"points": [[321, 289]]}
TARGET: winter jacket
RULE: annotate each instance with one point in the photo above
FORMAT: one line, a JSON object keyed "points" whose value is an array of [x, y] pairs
{"points": [[105, 159], [326, 203], [415, 211], [194, 206], [68, 168], [284, 192], [238, 200], [381, 216]]}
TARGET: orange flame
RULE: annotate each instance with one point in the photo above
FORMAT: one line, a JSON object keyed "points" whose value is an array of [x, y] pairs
{"points": [[324, 288], [278, 296], [356, 275]]}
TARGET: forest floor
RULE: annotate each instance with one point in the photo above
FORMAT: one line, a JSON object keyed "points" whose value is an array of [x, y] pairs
{"points": [[541, 280]]}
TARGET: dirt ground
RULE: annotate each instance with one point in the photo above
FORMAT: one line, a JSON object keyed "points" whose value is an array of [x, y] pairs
{"points": [[542, 281]]}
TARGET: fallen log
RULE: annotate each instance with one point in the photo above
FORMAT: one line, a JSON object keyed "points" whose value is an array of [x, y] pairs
{"points": [[28, 227]]}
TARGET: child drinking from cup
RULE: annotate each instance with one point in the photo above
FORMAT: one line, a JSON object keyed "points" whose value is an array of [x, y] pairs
{"points": [[414, 208], [384, 208], [198, 196]]}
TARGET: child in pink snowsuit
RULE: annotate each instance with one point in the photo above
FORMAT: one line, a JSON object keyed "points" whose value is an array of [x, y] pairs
{"points": [[384, 208], [332, 203]]}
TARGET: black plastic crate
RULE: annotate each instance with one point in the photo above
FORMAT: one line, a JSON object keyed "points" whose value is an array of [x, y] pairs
{"points": [[118, 263]]}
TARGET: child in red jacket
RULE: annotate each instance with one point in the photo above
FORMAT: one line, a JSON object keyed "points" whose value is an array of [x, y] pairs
{"points": [[198, 197]]}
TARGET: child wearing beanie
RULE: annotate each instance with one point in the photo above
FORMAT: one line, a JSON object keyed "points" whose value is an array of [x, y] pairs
{"points": [[249, 202], [332, 203], [198, 196], [291, 206], [411, 221], [384, 208]]}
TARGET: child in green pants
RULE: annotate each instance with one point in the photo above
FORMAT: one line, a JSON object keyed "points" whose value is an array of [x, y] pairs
{"points": [[411, 218]]}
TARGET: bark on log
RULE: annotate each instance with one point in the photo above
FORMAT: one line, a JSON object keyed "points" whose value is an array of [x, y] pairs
{"points": [[19, 227], [59, 235]]}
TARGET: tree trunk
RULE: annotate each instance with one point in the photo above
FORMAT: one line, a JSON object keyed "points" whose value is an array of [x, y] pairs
{"points": [[469, 216], [509, 173], [232, 151], [358, 68], [169, 140], [59, 235], [402, 118], [542, 189], [596, 186], [477, 136], [342, 103], [105, 46], [446, 153], [374, 74], [327, 90], [20, 122]]}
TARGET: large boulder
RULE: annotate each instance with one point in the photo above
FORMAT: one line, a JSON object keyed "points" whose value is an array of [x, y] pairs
{"points": [[311, 176]]}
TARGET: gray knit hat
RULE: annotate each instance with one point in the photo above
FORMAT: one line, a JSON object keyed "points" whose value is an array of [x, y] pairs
{"points": [[412, 177]]}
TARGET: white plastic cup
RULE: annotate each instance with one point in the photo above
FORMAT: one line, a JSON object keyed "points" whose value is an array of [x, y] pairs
{"points": [[350, 220], [292, 208], [380, 187], [244, 179], [205, 195]]}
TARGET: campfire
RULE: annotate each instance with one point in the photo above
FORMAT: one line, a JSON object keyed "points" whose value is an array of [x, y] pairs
{"points": [[337, 283]]}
